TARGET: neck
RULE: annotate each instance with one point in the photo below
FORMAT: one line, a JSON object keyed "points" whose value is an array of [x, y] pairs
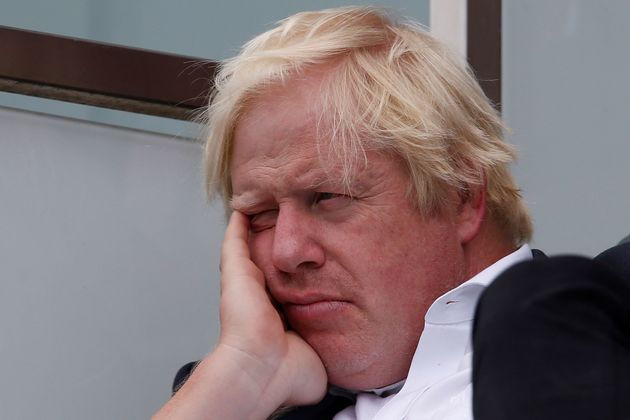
{"points": [[489, 246]]}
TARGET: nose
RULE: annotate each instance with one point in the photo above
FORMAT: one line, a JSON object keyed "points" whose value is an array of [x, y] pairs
{"points": [[295, 244]]}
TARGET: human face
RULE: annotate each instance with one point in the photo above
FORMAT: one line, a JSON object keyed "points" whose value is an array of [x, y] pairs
{"points": [[353, 271]]}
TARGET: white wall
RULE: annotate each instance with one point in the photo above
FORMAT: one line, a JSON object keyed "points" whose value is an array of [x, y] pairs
{"points": [[566, 97], [108, 268]]}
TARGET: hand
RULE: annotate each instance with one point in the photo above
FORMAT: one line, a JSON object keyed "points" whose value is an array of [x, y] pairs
{"points": [[257, 365], [253, 330]]}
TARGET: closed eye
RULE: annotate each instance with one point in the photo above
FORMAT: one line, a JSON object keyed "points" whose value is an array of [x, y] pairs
{"points": [[263, 220]]}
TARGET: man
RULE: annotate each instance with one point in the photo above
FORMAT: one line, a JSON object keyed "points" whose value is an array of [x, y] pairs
{"points": [[371, 203]]}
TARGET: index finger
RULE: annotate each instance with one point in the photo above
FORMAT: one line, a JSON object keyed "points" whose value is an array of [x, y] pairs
{"points": [[235, 240]]}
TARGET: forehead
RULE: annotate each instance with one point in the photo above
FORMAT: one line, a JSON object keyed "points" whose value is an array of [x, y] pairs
{"points": [[280, 143], [277, 152], [282, 118], [280, 129]]}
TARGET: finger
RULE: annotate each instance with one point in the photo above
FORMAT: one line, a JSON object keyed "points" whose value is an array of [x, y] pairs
{"points": [[235, 240], [235, 256]]}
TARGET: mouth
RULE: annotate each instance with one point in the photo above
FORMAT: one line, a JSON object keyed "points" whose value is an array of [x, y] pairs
{"points": [[312, 308], [315, 311]]}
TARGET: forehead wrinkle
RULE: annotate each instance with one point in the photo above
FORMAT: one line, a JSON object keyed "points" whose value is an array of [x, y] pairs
{"points": [[288, 166], [277, 176], [290, 136], [304, 176]]}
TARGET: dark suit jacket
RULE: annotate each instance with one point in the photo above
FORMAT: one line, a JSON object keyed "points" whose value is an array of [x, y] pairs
{"points": [[617, 259], [551, 340]]}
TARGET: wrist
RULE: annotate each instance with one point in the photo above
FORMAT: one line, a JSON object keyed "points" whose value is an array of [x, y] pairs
{"points": [[226, 384], [254, 380]]}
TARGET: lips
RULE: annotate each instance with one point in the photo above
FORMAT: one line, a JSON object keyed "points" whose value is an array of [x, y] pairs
{"points": [[315, 313], [311, 307]]}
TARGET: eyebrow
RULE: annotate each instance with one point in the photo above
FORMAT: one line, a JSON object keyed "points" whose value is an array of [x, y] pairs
{"points": [[243, 201], [249, 200]]}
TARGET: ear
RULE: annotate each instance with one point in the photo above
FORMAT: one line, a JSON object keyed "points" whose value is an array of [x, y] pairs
{"points": [[471, 212]]}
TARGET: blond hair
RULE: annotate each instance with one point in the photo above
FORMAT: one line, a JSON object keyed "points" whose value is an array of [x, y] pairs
{"points": [[392, 88]]}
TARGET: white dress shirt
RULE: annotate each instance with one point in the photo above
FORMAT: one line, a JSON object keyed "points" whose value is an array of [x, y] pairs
{"points": [[438, 386]]}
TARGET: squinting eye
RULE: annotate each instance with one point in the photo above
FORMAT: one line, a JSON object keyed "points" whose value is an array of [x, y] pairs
{"points": [[331, 201], [323, 196]]}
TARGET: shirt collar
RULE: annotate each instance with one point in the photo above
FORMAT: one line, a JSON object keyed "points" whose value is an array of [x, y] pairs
{"points": [[458, 304], [444, 343]]}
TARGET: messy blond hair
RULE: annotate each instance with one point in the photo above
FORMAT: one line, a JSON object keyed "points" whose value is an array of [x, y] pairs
{"points": [[391, 87]]}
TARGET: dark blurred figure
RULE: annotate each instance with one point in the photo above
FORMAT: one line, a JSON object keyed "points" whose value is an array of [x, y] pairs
{"points": [[552, 340]]}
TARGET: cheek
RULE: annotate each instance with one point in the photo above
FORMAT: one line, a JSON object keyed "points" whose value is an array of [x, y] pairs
{"points": [[260, 245], [414, 256]]}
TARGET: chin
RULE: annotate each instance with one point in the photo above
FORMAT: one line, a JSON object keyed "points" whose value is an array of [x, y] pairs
{"points": [[350, 368], [344, 362], [348, 377], [354, 362]]}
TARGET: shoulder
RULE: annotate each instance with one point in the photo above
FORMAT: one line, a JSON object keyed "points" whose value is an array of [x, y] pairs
{"points": [[529, 283], [617, 259]]}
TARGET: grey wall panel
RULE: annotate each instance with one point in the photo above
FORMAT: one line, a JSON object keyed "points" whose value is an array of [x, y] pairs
{"points": [[108, 267], [566, 99]]}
